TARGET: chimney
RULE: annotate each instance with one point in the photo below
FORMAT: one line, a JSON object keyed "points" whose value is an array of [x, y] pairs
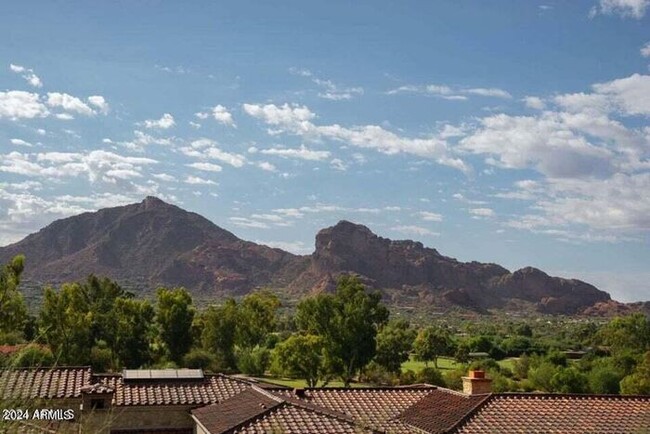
{"points": [[476, 383]]}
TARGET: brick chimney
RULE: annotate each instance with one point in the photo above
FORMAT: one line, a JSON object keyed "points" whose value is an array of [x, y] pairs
{"points": [[476, 383]]}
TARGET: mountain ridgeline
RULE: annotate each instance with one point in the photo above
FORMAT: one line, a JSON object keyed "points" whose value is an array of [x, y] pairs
{"points": [[153, 243]]}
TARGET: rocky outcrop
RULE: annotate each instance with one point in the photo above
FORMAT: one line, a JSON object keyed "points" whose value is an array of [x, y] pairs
{"points": [[153, 243]]}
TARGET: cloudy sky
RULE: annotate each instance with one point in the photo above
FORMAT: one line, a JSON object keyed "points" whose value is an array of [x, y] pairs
{"points": [[502, 131]]}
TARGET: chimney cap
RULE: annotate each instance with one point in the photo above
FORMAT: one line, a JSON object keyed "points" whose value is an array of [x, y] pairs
{"points": [[476, 373]]}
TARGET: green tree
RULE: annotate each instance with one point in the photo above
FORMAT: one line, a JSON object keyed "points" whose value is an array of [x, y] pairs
{"points": [[394, 344], [65, 323], [348, 322], [302, 356], [569, 380], [219, 328], [431, 343], [604, 380], [33, 355], [174, 315], [133, 324], [257, 318], [628, 333], [638, 383], [541, 375], [13, 312]]}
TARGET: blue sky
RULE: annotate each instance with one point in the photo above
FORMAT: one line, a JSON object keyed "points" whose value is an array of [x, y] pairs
{"points": [[500, 131]]}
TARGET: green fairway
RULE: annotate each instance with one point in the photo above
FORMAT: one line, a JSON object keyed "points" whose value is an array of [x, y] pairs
{"points": [[443, 363], [298, 383]]}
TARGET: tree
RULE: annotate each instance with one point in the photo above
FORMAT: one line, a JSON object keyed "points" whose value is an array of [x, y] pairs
{"points": [[604, 380], [257, 318], [219, 328], [431, 343], [638, 383], [394, 344], [65, 323], [133, 323], [569, 380], [13, 312], [348, 322], [174, 315], [628, 333], [301, 356]]}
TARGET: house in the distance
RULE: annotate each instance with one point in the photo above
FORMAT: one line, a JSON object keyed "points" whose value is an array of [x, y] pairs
{"points": [[189, 401]]}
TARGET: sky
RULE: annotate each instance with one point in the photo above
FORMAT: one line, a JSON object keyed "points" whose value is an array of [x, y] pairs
{"points": [[498, 131]]}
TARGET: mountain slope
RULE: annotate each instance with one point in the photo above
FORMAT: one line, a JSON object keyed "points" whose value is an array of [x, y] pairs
{"points": [[153, 243]]}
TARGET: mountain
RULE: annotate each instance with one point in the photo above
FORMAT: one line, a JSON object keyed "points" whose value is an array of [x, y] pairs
{"points": [[153, 243], [149, 244]]}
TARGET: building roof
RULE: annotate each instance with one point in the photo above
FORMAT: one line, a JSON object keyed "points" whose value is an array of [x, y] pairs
{"points": [[378, 408], [43, 383], [209, 390], [440, 410], [557, 413], [260, 411]]}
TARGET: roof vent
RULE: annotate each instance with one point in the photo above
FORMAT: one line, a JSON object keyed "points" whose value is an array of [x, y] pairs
{"points": [[299, 392]]}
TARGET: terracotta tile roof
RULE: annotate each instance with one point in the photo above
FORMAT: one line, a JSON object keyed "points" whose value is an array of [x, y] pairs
{"points": [[549, 414], [291, 419], [43, 383], [260, 411], [210, 390], [440, 410], [378, 408], [234, 411]]}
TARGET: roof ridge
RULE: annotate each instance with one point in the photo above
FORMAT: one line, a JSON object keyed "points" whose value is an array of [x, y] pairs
{"points": [[254, 417], [479, 405], [569, 395]]}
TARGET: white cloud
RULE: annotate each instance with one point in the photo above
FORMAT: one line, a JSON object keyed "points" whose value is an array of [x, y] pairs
{"points": [[248, 223], [430, 216], [482, 212], [415, 230], [28, 74], [302, 153], [220, 114], [298, 120], [68, 103], [330, 90], [20, 142], [630, 94], [97, 166], [625, 8], [195, 180], [207, 149], [165, 122], [490, 92], [546, 142], [17, 104], [265, 165], [645, 50], [534, 102], [295, 247], [338, 164], [99, 102], [450, 93], [208, 167], [164, 177]]}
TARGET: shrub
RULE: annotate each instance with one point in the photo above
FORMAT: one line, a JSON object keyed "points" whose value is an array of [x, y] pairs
{"points": [[33, 355], [253, 361], [199, 359], [430, 376]]}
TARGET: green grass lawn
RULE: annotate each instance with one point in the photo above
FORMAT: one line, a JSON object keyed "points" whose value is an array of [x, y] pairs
{"points": [[297, 383], [508, 363], [443, 363]]}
